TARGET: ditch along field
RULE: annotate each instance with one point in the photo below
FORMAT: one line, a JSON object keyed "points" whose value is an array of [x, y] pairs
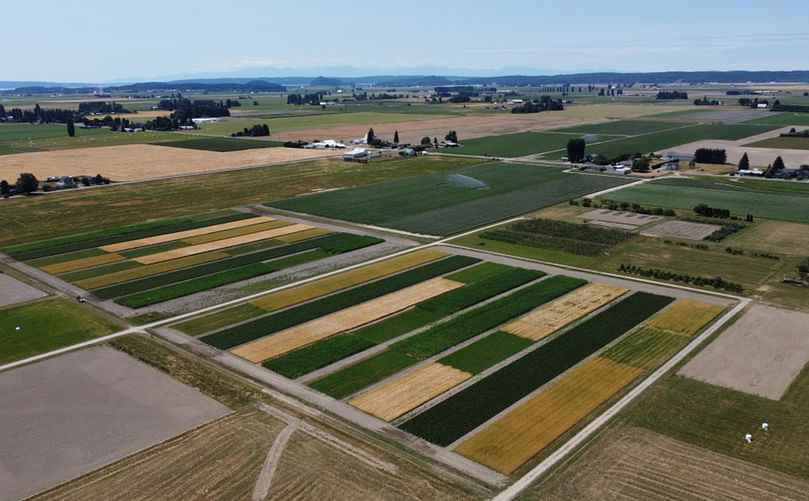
{"points": [[144, 264], [223, 459], [446, 203], [144, 161], [28, 219]]}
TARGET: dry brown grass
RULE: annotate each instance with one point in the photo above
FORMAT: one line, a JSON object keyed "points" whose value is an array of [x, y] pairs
{"points": [[633, 464], [149, 270], [510, 441], [561, 312], [86, 262], [686, 317], [220, 244], [405, 393], [181, 235], [143, 161], [328, 285], [347, 319]]}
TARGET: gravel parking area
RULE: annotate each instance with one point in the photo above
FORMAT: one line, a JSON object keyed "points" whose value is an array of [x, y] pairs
{"points": [[66, 416]]}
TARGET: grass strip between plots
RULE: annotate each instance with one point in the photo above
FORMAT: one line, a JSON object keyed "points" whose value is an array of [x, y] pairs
{"points": [[263, 326], [121, 234], [337, 242], [295, 364], [442, 336], [476, 404]]}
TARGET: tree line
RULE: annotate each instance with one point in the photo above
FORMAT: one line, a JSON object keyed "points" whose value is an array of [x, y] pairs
{"points": [[672, 94], [544, 103], [255, 131]]}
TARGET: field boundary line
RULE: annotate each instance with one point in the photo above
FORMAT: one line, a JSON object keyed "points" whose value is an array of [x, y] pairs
{"points": [[517, 487]]}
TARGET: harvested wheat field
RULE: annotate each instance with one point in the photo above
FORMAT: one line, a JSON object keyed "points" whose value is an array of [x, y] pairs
{"points": [[565, 310], [636, 464], [686, 317], [78, 264], [236, 232], [347, 319], [404, 394], [303, 235], [143, 161], [351, 278], [507, 443], [180, 235], [148, 270], [315, 469], [220, 460], [220, 244]]}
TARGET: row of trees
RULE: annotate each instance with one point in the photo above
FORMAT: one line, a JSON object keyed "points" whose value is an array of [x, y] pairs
{"points": [[672, 94], [27, 183], [710, 156], [91, 107], [298, 99], [706, 102], [706, 211], [545, 103], [255, 131]]}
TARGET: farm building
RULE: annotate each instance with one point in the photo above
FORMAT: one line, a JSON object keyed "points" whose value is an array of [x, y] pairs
{"points": [[325, 144], [206, 120], [663, 164], [750, 172], [357, 155]]}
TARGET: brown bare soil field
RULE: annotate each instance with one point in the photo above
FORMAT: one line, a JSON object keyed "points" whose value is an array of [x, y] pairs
{"points": [[686, 317], [561, 312], [149, 270], [313, 469], [347, 319], [682, 229], [220, 244], [143, 161], [343, 280], [518, 436], [762, 353], [86, 262], [405, 393], [636, 464], [220, 460], [181, 235], [467, 127]]}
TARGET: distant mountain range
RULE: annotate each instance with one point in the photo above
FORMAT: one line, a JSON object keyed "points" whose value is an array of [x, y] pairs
{"points": [[279, 84]]}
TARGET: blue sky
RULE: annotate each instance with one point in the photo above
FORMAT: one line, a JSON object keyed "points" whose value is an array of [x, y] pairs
{"points": [[107, 41]]}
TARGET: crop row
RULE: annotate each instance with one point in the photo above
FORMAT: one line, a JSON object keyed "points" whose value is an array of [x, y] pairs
{"points": [[443, 336], [473, 406], [579, 239], [317, 355], [120, 235], [228, 263], [153, 296], [263, 326]]}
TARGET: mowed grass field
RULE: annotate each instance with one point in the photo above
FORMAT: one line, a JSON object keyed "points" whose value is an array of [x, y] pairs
{"points": [[47, 325], [520, 144], [739, 199], [783, 143], [34, 218], [447, 203]]}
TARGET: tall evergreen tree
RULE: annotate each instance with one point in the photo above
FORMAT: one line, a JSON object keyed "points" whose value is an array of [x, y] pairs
{"points": [[369, 138], [71, 129], [744, 163], [778, 164], [396, 137], [575, 149], [4, 188], [27, 183]]}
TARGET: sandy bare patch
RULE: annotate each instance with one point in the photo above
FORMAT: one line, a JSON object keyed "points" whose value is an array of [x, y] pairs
{"points": [[761, 353], [640, 465], [143, 161], [682, 229], [344, 320], [69, 415], [12, 291]]}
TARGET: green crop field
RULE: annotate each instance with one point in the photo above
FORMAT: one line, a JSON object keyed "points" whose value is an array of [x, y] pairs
{"points": [[479, 272], [486, 352], [263, 326], [783, 143], [739, 199], [16, 132], [221, 144], [309, 358], [356, 377], [783, 119], [473, 406], [622, 127], [38, 322], [28, 219], [520, 144], [446, 203], [645, 348]]}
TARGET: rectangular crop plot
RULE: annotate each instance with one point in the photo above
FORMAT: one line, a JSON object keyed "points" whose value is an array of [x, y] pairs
{"points": [[344, 320], [686, 317], [513, 439], [466, 410], [486, 352], [446, 203], [344, 280], [355, 377], [309, 358], [645, 348], [180, 235], [221, 144], [565, 310], [263, 326], [220, 244], [141, 271], [517, 145], [682, 229], [78, 264], [407, 392]]}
